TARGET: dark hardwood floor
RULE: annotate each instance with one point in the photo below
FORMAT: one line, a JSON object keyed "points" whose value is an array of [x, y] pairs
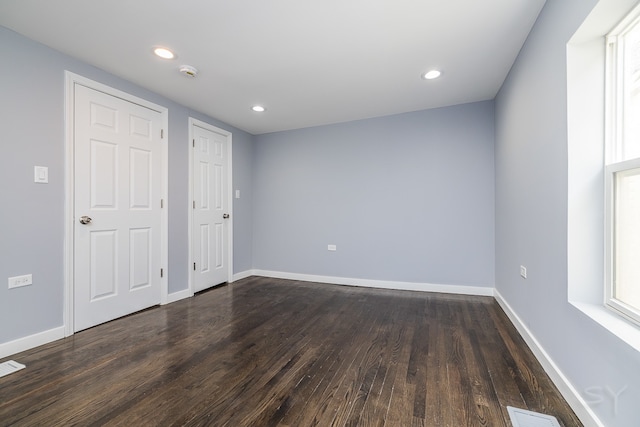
{"points": [[267, 352]]}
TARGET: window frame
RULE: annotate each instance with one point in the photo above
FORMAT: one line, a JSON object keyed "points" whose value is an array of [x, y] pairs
{"points": [[611, 172], [615, 98]]}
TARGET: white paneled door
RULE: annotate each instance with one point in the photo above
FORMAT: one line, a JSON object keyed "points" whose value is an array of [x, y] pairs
{"points": [[210, 224], [117, 212]]}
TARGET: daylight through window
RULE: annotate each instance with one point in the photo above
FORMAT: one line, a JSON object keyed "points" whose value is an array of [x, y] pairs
{"points": [[622, 169]]}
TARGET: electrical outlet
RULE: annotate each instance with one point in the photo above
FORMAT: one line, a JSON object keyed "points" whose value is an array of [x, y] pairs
{"points": [[18, 281], [332, 248], [523, 271]]}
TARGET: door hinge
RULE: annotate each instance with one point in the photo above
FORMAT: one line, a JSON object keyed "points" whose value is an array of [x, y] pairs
{"points": [[161, 133], [161, 272], [161, 203], [194, 143], [194, 266], [194, 204]]}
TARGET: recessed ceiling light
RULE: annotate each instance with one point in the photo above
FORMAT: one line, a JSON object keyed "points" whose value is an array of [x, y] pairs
{"points": [[432, 74], [164, 53], [258, 108]]}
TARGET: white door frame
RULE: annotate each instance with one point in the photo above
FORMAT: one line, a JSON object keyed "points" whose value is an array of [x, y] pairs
{"points": [[194, 122], [71, 80]]}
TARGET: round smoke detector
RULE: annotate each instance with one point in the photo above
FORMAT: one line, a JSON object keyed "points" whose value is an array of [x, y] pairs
{"points": [[188, 70]]}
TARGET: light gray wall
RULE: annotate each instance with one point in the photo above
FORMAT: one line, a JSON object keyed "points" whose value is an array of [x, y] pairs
{"points": [[531, 221], [31, 215], [405, 198], [243, 144]]}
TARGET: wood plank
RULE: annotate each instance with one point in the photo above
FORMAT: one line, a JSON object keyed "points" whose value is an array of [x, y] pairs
{"points": [[270, 352]]}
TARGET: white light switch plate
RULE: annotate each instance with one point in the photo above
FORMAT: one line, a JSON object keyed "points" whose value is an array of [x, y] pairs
{"points": [[41, 174]]}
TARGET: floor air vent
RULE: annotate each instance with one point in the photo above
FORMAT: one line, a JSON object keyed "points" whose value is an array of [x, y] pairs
{"points": [[9, 367], [524, 418]]}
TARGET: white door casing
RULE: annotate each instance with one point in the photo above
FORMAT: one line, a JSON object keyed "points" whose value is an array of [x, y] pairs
{"points": [[116, 175], [211, 221]]}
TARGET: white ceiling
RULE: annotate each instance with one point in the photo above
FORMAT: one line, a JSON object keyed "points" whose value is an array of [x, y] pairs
{"points": [[309, 62]]}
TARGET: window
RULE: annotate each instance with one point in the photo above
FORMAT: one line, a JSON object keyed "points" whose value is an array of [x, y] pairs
{"points": [[622, 168]]}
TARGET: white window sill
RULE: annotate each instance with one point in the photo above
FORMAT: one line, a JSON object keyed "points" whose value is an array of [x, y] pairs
{"points": [[612, 322]]}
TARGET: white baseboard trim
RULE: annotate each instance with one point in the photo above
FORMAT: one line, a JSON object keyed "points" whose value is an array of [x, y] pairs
{"points": [[381, 284], [571, 395], [573, 398], [243, 275], [177, 296], [31, 341]]}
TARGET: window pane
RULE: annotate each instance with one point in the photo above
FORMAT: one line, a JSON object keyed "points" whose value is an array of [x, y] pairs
{"points": [[627, 238], [631, 138]]}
